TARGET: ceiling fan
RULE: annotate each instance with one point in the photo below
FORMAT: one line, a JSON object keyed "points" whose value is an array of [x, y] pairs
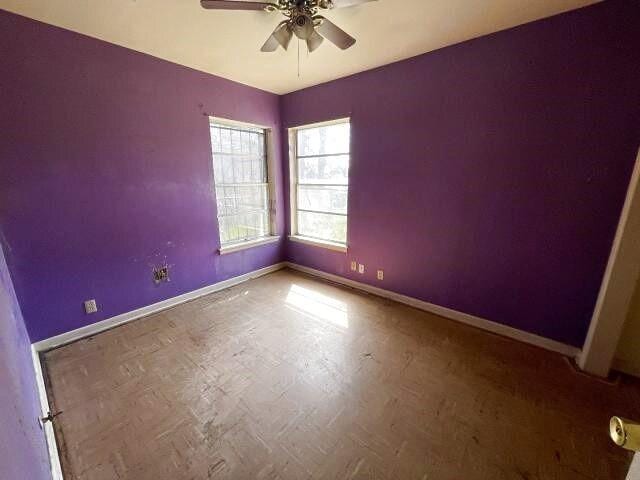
{"points": [[303, 20]]}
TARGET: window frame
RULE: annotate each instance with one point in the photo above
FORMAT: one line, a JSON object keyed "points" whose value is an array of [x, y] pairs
{"points": [[294, 235], [272, 235]]}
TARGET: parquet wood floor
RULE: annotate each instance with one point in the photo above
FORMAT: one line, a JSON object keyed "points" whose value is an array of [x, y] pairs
{"points": [[288, 377]]}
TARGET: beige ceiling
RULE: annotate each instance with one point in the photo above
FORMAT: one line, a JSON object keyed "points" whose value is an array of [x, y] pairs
{"points": [[227, 43]]}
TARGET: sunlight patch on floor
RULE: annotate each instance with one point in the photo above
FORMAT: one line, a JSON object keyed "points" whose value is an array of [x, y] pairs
{"points": [[318, 306]]}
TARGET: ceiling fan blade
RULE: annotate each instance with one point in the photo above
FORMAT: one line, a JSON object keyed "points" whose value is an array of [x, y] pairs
{"points": [[314, 41], [235, 5], [334, 34], [271, 45], [281, 36], [347, 3]]}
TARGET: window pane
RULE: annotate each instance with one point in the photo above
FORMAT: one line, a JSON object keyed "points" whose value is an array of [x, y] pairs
{"points": [[215, 139], [325, 199], [238, 155], [324, 170], [244, 226], [240, 177], [238, 169], [324, 140], [323, 226], [232, 200], [225, 139]]}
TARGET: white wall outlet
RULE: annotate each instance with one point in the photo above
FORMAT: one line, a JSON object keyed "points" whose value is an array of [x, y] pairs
{"points": [[380, 274], [90, 306], [360, 268], [354, 266]]}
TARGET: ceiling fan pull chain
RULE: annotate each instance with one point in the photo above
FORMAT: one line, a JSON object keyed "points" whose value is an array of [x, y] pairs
{"points": [[298, 58]]}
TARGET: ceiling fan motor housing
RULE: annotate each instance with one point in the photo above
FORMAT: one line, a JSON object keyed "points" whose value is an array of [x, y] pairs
{"points": [[302, 26]]}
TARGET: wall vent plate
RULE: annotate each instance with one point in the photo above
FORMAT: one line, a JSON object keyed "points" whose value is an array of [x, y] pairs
{"points": [[90, 306]]}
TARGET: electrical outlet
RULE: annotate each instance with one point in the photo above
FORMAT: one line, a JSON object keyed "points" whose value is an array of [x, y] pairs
{"points": [[360, 268], [380, 274], [354, 266], [90, 306]]}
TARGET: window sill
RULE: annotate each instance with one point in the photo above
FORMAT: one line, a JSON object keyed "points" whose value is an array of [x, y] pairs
{"points": [[338, 247], [236, 247]]}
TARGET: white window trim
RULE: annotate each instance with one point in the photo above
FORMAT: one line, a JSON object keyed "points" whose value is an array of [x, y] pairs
{"points": [[273, 235], [293, 190], [236, 247], [322, 124], [316, 242]]}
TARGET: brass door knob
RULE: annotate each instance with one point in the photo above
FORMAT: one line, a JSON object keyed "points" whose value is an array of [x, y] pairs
{"points": [[625, 433]]}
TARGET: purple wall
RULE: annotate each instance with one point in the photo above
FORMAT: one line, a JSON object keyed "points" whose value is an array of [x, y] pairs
{"points": [[489, 176], [486, 177], [106, 168], [23, 452]]}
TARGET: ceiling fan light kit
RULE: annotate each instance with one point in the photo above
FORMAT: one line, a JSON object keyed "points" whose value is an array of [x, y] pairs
{"points": [[303, 21]]}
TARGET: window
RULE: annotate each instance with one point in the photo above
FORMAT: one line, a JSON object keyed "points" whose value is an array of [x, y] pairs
{"points": [[241, 182], [320, 183]]}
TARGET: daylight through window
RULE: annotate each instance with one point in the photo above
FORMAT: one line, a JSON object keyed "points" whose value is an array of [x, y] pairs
{"points": [[241, 182], [321, 181]]}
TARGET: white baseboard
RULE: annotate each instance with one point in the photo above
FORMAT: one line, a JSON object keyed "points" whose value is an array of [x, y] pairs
{"points": [[98, 327], [127, 317], [50, 438], [494, 327]]}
